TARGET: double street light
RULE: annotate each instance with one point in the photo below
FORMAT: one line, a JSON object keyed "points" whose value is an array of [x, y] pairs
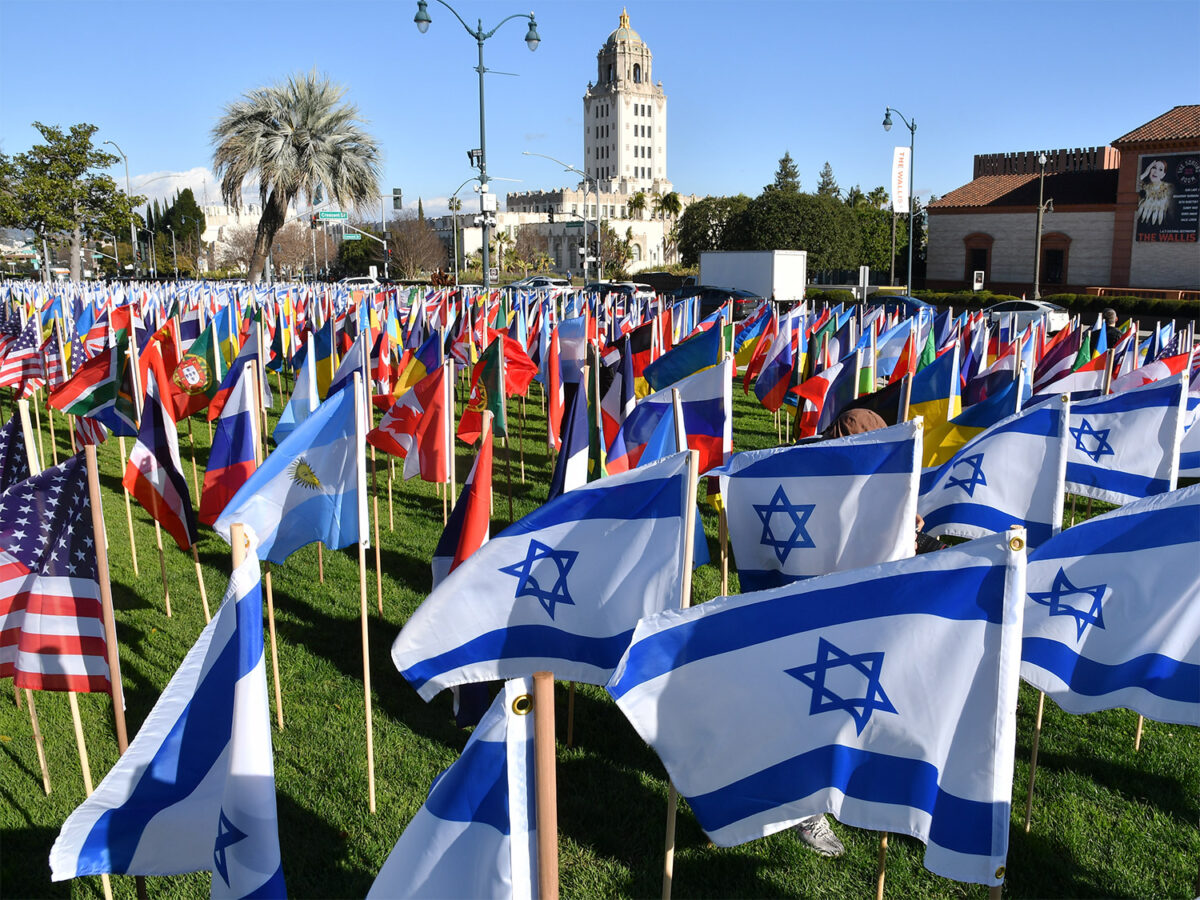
{"points": [[128, 193], [1043, 207], [532, 39], [596, 189], [912, 129]]}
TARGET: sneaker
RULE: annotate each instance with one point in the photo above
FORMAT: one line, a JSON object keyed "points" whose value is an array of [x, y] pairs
{"points": [[815, 832]]}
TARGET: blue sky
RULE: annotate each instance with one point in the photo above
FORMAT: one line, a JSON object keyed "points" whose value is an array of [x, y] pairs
{"points": [[745, 81]]}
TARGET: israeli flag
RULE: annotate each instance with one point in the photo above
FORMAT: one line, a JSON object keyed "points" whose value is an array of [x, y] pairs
{"points": [[795, 512], [1111, 611], [1010, 474], [195, 791], [1126, 446], [560, 589], [885, 696], [1189, 447], [312, 488], [475, 836]]}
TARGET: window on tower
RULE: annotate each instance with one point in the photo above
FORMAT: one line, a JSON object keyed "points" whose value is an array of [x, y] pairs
{"points": [[610, 73], [637, 74]]}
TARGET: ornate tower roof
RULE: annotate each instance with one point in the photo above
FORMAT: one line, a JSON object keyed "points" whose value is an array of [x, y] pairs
{"points": [[623, 32]]}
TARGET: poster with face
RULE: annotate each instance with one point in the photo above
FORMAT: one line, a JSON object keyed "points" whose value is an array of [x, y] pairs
{"points": [[1168, 188]]}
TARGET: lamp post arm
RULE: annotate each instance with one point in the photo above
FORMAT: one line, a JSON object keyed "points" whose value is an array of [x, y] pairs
{"points": [[473, 33], [501, 22]]}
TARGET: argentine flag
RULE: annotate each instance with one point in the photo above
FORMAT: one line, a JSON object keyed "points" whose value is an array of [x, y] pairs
{"points": [[475, 836], [312, 488], [1112, 611], [195, 791], [885, 696], [812, 509], [1011, 474], [1126, 446], [560, 589]]}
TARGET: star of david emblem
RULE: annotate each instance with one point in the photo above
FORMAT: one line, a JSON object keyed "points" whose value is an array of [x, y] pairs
{"points": [[824, 699], [795, 515], [559, 562], [975, 478], [1061, 589], [1100, 437], [227, 836]]}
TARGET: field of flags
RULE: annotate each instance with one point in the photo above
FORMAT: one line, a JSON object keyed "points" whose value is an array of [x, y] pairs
{"points": [[266, 551]]}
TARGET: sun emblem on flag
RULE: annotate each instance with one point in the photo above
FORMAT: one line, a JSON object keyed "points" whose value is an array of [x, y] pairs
{"points": [[302, 473]]}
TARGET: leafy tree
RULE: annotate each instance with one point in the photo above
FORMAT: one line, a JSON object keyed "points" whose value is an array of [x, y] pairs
{"points": [[879, 198], [778, 220], [54, 191], [787, 176], [875, 236], [291, 138], [618, 251], [855, 197], [827, 186], [187, 218], [705, 225]]}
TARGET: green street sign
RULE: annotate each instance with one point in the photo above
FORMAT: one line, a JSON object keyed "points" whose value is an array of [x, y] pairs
{"points": [[331, 214], [351, 237], [574, 224]]}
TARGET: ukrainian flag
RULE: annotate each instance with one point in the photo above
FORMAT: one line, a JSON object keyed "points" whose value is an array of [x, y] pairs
{"points": [[936, 391], [943, 441]]}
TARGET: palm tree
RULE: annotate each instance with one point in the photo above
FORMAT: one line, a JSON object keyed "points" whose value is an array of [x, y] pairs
{"points": [[295, 138], [637, 205], [668, 207]]}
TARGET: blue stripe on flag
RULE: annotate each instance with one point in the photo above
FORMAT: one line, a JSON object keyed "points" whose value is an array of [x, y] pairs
{"points": [[1160, 675], [476, 790], [642, 499], [995, 520], [1165, 527], [523, 642], [935, 593], [891, 458], [198, 737], [958, 824], [1117, 482]]}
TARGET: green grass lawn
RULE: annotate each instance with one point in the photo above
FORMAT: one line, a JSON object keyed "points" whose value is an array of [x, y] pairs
{"points": [[1106, 821]]}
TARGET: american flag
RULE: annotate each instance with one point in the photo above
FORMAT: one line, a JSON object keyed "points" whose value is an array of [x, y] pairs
{"points": [[51, 625], [22, 366], [14, 459], [53, 355]]}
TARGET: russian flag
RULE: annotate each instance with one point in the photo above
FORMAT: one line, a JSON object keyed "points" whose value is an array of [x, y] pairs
{"points": [[707, 399], [232, 458]]}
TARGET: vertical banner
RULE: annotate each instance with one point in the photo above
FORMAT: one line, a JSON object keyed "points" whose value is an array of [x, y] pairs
{"points": [[1168, 207], [900, 166]]}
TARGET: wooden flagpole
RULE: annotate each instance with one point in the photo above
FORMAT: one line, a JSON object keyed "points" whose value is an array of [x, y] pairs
{"points": [[37, 419], [391, 513], [521, 439], [545, 785], [1137, 738], [200, 581], [362, 582], [685, 600], [1037, 737], [38, 741], [375, 517], [162, 564], [128, 511], [53, 436], [881, 871], [195, 473], [86, 769], [110, 625]]}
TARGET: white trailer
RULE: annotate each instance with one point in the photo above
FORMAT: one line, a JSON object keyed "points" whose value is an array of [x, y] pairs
{"points": [[781, 274]]}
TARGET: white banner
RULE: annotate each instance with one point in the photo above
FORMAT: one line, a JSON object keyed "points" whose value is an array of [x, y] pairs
{"points": [[901, 162]]}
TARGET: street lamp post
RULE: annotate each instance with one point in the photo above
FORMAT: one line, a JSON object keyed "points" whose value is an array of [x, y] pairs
{"points": [[596, 191], [1047, 206], [912, 130], [174, 255], [199, 241], [128, 193], [532, 39]]}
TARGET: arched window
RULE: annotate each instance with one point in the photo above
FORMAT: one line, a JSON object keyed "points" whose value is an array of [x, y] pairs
{"points": [[610, 73], [637, 73], [636, 251], [978, 247]]}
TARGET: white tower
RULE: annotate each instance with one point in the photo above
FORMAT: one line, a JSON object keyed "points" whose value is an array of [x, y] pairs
{"points": [[625, 118]]}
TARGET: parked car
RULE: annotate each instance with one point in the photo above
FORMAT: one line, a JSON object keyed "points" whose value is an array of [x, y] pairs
{"points": [[359, 281], [910, 305], [712, 298], [540, 282], [640, 291], [1027, 312]]}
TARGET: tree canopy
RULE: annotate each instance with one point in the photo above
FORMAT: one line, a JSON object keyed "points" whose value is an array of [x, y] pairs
{"points": [[787, 176]]}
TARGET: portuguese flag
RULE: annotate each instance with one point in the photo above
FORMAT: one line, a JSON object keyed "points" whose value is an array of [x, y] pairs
{"points": [[487, 392], [197, 377]]}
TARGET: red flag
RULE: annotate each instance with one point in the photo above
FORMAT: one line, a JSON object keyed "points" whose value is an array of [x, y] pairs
{"points": [[554, 392], [417, 429]]}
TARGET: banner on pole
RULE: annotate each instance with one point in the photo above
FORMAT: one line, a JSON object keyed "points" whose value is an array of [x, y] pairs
{"points": [[900, 167]]}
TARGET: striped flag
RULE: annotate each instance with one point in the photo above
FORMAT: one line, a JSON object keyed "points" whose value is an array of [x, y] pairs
{"points": [[14, 457], [22, 366], [154, 474], [231, 460], [51, 626]]}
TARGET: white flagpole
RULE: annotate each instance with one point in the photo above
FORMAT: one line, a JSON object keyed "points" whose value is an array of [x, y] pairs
{"points": [[685, 600], [363, 525]]}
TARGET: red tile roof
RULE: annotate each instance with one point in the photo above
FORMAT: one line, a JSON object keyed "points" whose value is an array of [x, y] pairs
{"points": [[1066, 189], [1180, 123]]}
